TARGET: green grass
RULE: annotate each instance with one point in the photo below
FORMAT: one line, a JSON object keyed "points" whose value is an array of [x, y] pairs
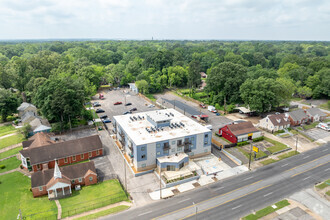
{"points": [[286, 155], [95, 116], [8, 141], [105, 212], [105, 86], [328, 193], [10, 152], [11, 163], [324, 106], [151, 97], [266, 211], [285, 135], [277, 145], [312, 125], [225, 140], [324, 184], [247, 154], [279, 132], [88, 106], [7, 129], [268, 161], [15, 194], [92, 197]]}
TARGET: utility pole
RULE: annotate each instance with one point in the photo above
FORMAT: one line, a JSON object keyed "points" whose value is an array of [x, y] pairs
{"points": [[160, 182], [250, 155], [296, 143]]}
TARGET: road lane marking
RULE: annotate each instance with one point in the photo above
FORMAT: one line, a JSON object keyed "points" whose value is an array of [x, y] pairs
{"points": [[268, 194], [307, 163], [327, 169], [307, 178], [219, 188], [145, 213], [309, 169], [284, 165], [325, 149], [306, 157], [184, 200], [236, 207], [248, 178]]}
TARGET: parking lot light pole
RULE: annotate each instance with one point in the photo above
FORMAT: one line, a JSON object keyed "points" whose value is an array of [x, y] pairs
{"points": [[296, 143], [250, 155]]}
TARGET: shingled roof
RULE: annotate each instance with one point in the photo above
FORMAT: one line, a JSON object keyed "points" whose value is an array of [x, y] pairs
{"points": [[242, 128], [71, 172], [38, 140], [315, 111], [62, 149], [298, 115], [279, 120]]}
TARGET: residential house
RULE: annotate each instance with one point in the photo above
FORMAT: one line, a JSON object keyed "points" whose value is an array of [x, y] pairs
{"points": [[26, 107], [39, 125], [64, 153], [58, 182], [274, 123], [297, 117], [315, 114], [240, 132]]}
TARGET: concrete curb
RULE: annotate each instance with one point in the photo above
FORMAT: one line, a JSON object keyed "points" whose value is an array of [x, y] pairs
{"points": [[232, 157]]}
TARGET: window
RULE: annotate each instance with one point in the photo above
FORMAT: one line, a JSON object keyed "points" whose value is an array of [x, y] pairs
{"points": [[205, 150], [72, 181], [173, 150], [179, 148], [98, 152], [206, 136], [181, 165], [38, 166], [143, 165], [179, 142], [82, 156], [41, 188], [165, 151], [143, 156], [143, 148], [90, 178], [192, 138], [173, 142], [170, 168], [65, 160], [74, 158], [90, 154], [158, 145], [158, 152], [79, 180]]}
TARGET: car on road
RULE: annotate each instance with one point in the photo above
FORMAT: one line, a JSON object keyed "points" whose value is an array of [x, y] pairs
{"points": [[151, 106], [128, 112], [202, 105], [133, 109], [194, 116], [127, 104], [99, 110], [103, 116], [96, 104], [117, 103], [106, 120]]}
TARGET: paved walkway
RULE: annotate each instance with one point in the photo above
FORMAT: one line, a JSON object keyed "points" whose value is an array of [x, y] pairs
{"points": [[9, 171], [59, 209], [8, 157], [10, 147], [98, 210], [7, 135]]}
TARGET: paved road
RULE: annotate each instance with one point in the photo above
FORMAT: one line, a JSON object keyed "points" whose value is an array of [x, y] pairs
{"points": [[184, 107], [237, 196]]}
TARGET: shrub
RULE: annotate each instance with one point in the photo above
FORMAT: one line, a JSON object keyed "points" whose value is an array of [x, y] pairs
{"points": [[2, 166], [258, 139], [217, 106], [242, 143]]}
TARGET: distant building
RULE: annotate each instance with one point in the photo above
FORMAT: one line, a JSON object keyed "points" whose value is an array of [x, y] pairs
{"points": [[162, 138], [57, 182], [133, 88], [274, 123], [242, 131], [315, 114], [297, 117], [26, 107]]}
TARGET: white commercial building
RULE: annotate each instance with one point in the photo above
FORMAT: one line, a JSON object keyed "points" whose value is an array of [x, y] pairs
{"points": [[164, 138]]}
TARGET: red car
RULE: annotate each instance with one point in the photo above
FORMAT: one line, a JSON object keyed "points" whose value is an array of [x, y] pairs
{"points": [[118, 103], [202, 105]]}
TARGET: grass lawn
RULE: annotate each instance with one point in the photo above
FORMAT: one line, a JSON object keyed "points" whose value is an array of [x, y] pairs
{"points": [[324, 184], [324, 106], [266, 211], [8, 141], [268, 161], [92, 197], [11, 163], [312, 125], [328, 193], [104, 212], [15, 194], [10, 152], [7, 129], [95, 116], [277, 145], [286, 155], [225, 140], [151, 97], [247, 154]]}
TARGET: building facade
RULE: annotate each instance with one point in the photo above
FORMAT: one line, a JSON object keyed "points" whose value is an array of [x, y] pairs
{"points": [[242, 131], [274, 123], [145, 137]]}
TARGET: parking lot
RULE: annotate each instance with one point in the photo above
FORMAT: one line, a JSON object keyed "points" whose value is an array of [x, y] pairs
{"points": [[318, 133]]}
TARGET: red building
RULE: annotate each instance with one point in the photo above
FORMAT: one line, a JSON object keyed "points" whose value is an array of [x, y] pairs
{"points": [[242, 131], [37, 157]]}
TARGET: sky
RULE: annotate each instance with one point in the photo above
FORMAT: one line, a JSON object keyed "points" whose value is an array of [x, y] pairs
{"points": [[166, 19]]}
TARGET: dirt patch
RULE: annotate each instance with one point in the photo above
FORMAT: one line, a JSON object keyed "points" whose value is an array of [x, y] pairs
{"points": [[197, 184]]}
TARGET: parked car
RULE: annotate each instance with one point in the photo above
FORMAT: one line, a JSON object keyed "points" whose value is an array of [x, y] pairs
{"points": [[211, 108], [151, 106], [103, 116], [101, 96], [324, 126], [127, 104], [96, 104], [128, 112], [202, 105], [118, 103], [99, 110], [194, 116], [133, 109], [106, 120]]}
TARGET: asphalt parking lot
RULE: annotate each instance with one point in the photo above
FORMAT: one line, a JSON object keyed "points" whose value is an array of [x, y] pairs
{"points": [[318, 133]]}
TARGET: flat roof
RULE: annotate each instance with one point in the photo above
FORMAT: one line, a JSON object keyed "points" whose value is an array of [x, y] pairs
{"points": [[158, 116], [137, 129]]}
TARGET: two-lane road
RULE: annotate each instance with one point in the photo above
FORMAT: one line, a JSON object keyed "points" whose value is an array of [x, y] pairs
{"points": [[236, 196]]}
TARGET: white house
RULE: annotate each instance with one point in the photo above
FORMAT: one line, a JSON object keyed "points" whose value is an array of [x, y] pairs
{"points": [[274, 123], [315, 114]]}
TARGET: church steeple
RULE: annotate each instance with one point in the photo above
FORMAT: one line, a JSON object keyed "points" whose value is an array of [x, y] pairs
{"points": [[57, 172]]}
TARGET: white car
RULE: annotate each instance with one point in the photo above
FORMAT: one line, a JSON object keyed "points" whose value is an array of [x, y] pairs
{"points": [[323, 126], [151, 106]]}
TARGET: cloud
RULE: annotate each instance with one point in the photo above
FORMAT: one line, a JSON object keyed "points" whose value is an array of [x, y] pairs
{"points": [[163, 19]]}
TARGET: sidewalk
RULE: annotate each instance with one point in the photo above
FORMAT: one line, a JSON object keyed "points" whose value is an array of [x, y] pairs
{"points": [[8, 135], [10, 147], [10, 171]]}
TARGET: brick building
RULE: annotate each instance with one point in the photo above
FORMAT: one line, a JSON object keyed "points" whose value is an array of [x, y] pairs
{"points": [[242, 131]]}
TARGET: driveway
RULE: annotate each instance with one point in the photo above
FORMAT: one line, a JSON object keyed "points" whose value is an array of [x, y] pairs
{"points": [[318, 133]]}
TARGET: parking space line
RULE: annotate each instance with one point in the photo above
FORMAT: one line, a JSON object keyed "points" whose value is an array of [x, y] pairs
{"points": [[184, 200], [145, 213], [236, 207], [284, 165], [268, 194], [248, 178]]}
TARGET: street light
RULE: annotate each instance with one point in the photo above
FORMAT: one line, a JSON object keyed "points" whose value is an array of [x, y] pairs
{"points": [[250, 155]]}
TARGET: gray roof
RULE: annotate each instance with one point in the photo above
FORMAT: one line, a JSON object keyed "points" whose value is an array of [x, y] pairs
{"points": [[298, 115], [24, 105], [315, 111], [279, 120], [27, 115], [42, 128]]}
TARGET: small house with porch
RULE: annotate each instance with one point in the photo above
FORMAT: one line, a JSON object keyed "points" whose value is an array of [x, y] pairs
{"points": [[242, 131], [274, 123], [58, 182], [297, 117], [315, 114]]}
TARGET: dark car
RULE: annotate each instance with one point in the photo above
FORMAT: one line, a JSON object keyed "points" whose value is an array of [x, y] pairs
{"points": [[104, 116], [106, 120], [96, 104], [128, 112], [117, 103], [99, 110], [127, 104], [133, 109]]}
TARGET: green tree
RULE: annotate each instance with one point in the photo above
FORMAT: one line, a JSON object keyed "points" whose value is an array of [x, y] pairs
{"points": [[194, 77], [304, 92], [8, 103], [143, 86]]}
